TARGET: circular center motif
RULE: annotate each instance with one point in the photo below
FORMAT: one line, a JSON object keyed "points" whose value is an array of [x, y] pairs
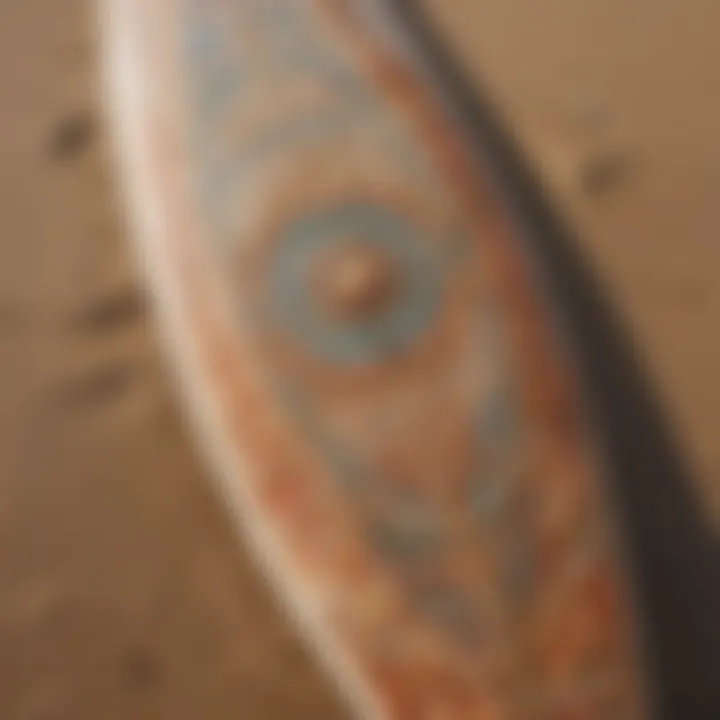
{"points": [[355, 285], [355, 281]]}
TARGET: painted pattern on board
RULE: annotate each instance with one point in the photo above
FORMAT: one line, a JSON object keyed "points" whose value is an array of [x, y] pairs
{"points": [[383, 333]]}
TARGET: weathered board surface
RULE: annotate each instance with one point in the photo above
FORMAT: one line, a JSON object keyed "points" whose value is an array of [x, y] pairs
{"points": [[372, 361]]}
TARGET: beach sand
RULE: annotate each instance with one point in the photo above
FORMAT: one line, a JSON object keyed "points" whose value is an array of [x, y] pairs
{"points": [[123, 593]]}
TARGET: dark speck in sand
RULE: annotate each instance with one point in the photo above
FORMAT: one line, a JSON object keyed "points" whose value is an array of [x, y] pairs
{"points": [[141, 668], [70, 136]]}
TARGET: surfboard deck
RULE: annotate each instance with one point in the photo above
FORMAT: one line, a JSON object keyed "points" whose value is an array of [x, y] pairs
{"points": [[371, 361]]}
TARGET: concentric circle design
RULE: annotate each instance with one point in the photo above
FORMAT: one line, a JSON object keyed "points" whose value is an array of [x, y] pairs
{"points": [[405, 269]]}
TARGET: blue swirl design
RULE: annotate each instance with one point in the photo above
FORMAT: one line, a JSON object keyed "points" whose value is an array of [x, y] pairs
{"points": [[293, 307], [401, 525]]}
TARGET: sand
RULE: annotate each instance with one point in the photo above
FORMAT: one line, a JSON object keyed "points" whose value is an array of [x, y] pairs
{"points": [[123, 593]]}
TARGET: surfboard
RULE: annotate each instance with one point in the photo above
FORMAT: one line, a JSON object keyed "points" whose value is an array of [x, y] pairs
{"points": [[372, 361]]}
